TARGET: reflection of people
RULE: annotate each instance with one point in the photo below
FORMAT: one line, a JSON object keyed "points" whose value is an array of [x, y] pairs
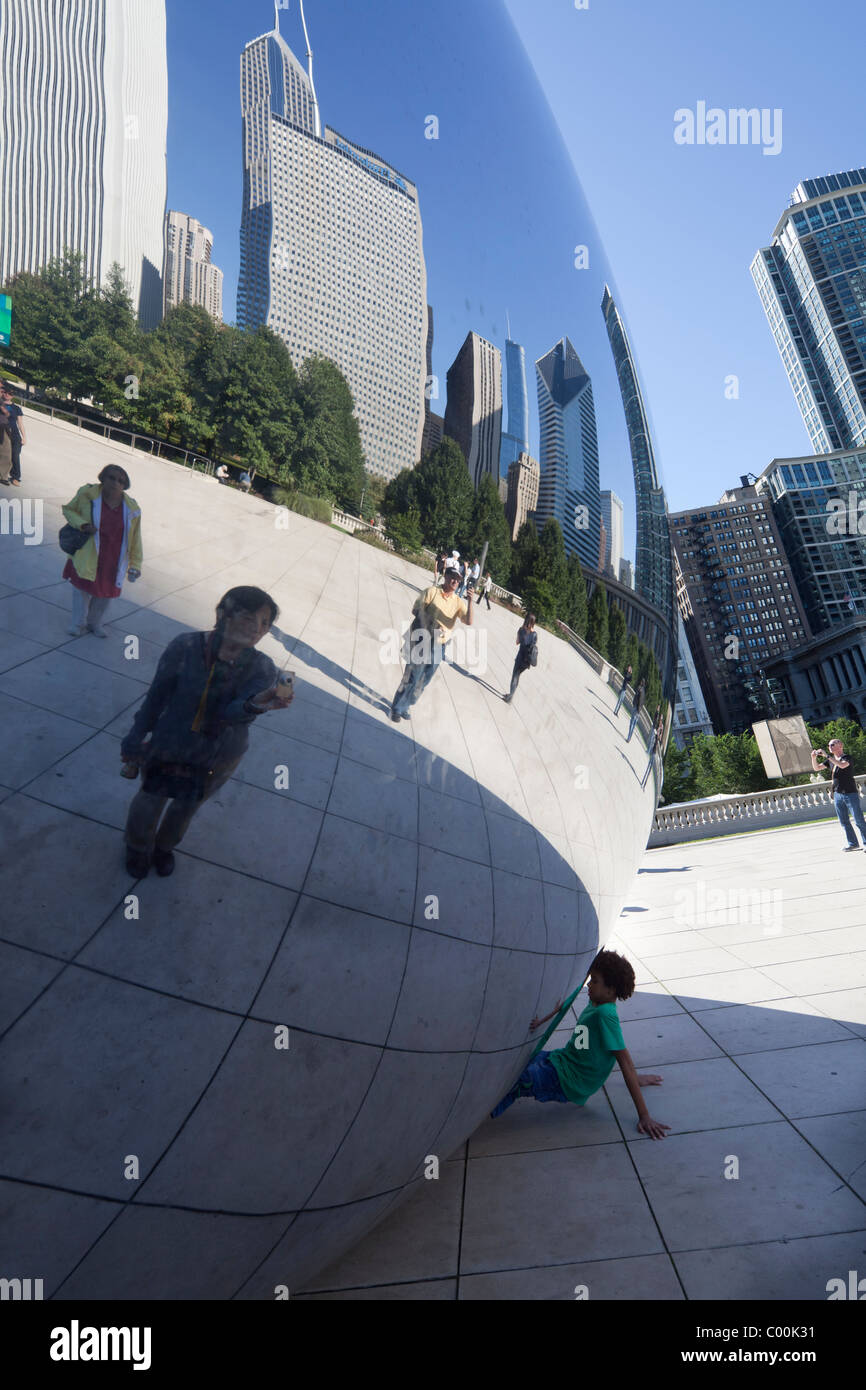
{"points": [[222, 473], [846, 797], [527, 639], [436, 614], [484, 591], [245, 481], [12, 417], [655, 740], [623, 688], [208, 689], [575, 1072], [112, 523], [636, 708]]}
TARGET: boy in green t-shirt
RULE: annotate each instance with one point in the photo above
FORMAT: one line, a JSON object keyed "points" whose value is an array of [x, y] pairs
{"points": [[576, 1071]]}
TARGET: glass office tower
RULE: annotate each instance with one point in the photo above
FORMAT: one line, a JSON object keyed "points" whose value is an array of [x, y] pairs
{"points": [[812, 284], [515, 440], [569, 488]]}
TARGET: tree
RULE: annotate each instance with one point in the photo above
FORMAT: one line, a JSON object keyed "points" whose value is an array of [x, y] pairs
{"points": [[616, 647], [632, 655], [489, 524], [405, 532], [551, 565], [597, 625], [538, 598], [524, 556], [401, 495], [678, 777], [330, 457], [54, 314], [445, 497], [374, 493], [576, 608]]}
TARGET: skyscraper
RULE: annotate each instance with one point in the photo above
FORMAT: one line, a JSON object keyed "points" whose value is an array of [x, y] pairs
{"points": [[812, 284], [522, 491], [653, 561], [331, 252], [612, 517], [189, 276], [516, 441], [568, 489], [473, 413], [83, 115]]}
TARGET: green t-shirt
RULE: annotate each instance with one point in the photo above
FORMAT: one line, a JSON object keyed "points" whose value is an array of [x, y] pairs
{"points": [[583, 1070]]}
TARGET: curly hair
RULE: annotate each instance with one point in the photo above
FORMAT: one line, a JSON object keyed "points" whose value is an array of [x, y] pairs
{"points": [[616, 972]]}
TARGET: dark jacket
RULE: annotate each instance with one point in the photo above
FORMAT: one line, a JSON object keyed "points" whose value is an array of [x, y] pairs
{"points": [[527, 641]]}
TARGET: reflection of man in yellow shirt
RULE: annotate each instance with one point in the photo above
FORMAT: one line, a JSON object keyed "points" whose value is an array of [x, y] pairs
{"points": [[436, 613]]}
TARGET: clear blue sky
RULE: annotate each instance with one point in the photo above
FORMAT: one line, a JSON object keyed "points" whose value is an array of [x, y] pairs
{"points": [[679, 224]]}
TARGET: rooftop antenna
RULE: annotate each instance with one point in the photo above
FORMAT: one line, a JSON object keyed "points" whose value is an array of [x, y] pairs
{"points": [[310, 71], [507, 326]]}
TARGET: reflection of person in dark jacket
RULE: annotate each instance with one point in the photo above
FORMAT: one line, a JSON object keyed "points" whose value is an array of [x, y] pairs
{"points": [[623, 688], [527, 638], [208, 689], [636, 708]]}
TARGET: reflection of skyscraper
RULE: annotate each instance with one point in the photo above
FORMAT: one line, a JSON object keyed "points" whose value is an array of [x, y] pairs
{"points": [[569, 451], [473, 414], [653, 561], [522, 494], [434, 425], [331, 253], [812, 283], [612, 518], [189, 276], [516, 441], [83, 115]]}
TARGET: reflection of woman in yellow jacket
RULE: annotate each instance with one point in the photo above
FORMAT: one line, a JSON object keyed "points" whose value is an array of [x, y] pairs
{"points": [[97, 571]]}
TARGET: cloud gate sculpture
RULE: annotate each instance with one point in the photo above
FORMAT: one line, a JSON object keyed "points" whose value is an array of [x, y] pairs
{"points": [[216, 1083]]}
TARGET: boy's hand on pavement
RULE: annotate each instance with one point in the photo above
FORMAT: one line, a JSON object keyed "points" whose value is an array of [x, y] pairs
{"points": [[652, 1127], [649, 1079]]}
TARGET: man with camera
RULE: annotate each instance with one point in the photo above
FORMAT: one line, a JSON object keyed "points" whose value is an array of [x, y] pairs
{"points": [[436, 613], [846, 797]]}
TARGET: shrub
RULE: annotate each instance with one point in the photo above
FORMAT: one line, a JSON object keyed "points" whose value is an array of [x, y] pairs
{"points": [[317, 508]]}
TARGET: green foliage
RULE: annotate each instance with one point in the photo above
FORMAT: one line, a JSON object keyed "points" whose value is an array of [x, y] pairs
{"points": [[488, 523], [679, 783], [405, 532], [401, 495], [551, 566], [576, 614], [524, 556], [315, 507], [538, 598], [445, 497], [617, 637], [205, 386], [374, 494], [632, 654], [597, 628]]}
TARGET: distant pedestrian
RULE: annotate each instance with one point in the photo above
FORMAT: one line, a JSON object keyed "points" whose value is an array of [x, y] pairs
{"points": [[655, 740], [439, 571], [527, 655], [111, 521], [626, 680], [245, 481], [484, 590], [846, 797], [12, 417], [222, 474], [437, 612], [636, 708], [474, 575]]}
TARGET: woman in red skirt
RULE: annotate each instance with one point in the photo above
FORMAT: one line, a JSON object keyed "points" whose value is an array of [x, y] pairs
{"points": [[112, 523]]}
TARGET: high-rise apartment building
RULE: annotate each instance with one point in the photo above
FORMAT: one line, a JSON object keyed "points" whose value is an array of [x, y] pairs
{"points": [[83, 116], [612, 519], [515, 439], [473, 414], [189, 277], [743, 595], [819, 505], [653, 562], [522, 497], [568, 489], [692, 716], [332, 257], [626, 573], [812, 284], [434, 425]]}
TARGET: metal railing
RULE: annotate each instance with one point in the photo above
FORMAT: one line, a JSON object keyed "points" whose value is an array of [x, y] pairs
{"points": [[732, 815], [121, 434]]}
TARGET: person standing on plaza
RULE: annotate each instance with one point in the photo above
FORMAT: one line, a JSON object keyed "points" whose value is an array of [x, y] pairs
{"points": [[636, 708], [436, 614], [484, 590], [655, 740], [846, 797], [111, 520], [527, 654], [192, 729], [12, 417], [439, 570], [626, 680]]}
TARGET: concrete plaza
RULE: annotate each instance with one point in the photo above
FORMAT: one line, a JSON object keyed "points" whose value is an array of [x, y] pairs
{"points": [[750, 957]]}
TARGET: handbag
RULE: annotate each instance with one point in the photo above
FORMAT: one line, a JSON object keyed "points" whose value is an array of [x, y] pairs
{"points": [[533, 653], [71, 540]]}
